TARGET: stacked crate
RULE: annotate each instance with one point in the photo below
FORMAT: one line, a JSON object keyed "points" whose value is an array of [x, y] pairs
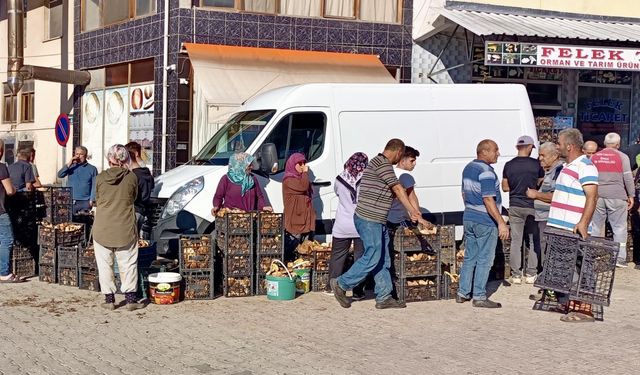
{"points": [[67, 264], [235, 241], [269, 246], [320, 271], [22, 211], [58, 205], [197, 266], [88, 269], [23, 263], [416, 260], [50, 237]]}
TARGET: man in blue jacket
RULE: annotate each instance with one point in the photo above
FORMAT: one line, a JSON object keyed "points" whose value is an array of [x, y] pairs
{"points": [[81, 177]]}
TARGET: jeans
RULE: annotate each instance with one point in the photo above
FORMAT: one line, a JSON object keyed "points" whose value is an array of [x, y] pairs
{"points": [[6, 242], [614, 210], [542, 225], [517, 222], [480, 250], [376, 259], [340, 252]]}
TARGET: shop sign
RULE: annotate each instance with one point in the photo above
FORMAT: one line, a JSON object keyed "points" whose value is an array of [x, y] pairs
{"points": [[561, 56], [603, 110]]}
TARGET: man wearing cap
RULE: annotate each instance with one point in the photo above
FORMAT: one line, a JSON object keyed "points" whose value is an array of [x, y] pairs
{"points": [[520, 174]]}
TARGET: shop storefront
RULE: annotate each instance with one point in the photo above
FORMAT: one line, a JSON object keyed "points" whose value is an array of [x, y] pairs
{"points": [[585, 77]]}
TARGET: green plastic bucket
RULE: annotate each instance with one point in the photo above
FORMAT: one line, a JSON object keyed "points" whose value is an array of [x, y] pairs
{"points": [[281, 288], [303, 282]]}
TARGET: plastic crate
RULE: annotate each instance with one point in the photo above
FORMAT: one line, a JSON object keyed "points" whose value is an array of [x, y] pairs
{"points": [[321, 261], [319, 281], [405, 239], [261, 285], [447, 235], [66, 234], [48, 255], [448, 255], [549, 304], [87, 257], [235, 244], [58, 203], [448, 287], [23, 267], [88, 279], [416, 264], [198, 285], [270, 244], [196, 253], [238, 265], [236, 223], [263, 263], [68, 255], [22, 211], [559, 269], [597, 271], [47, 273], [270, 223], [413, 290], [67, 275], [238, 286]]}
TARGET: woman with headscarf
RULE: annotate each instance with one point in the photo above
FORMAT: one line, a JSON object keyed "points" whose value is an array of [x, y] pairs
{"points": [[239, 188], [344, 232], [114, 228], [299, 215]]}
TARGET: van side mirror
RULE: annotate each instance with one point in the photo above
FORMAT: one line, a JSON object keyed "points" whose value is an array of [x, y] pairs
{"points": [[268, 157]]}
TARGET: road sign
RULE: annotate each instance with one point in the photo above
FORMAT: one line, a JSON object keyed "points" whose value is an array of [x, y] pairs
{"points": [[62, 129]]}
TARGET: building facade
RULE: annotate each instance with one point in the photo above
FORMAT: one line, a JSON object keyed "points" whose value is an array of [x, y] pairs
{"points": [[28, 119], [576, 59], [124, 49]]}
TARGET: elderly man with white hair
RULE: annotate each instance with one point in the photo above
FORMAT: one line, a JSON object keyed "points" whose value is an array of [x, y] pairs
{"points": [[615, 193]]}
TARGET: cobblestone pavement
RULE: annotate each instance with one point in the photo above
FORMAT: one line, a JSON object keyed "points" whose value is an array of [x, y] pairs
{"points": [[51, 329]]}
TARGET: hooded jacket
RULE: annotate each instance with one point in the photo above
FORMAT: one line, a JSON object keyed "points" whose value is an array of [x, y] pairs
{"points": [[145, 186], [115, 220]]}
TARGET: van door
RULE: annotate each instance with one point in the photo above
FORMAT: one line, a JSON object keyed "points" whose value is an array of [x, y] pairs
{"points": [[305, 130]]}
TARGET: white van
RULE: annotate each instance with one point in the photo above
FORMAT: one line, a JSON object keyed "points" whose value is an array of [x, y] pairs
{"points": [[328, 123]]}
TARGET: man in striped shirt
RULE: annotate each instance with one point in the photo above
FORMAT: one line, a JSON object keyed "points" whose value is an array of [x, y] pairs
{"points": [[378, 186]]}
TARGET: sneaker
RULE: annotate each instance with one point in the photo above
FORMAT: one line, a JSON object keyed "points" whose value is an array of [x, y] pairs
{"points": [[358, 296], [132, 306], [621, 264], [530, 279], [461, 299], [516, 280], [340, 294], [108, 306], [390, 303], [487, 304]]}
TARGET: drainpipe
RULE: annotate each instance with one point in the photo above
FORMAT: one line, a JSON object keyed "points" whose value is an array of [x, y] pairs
{"points": [[165, 61]]}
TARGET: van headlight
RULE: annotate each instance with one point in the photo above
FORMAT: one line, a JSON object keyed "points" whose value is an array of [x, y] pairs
{"points": [[182, 197]]}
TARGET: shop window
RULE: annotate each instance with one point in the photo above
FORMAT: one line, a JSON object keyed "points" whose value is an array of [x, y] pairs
{"points": [[379, 10], [100, 13], [543, 94], [260, 6], [117, 75], [219, 3], [27, 99], [142, 71], [604, 109], [340, 8], [303, 8], [10, 106], [606, 77], [299, 132], [53, 19]]}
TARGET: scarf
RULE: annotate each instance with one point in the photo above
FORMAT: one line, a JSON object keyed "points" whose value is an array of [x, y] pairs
{"points": [[290, 167], [352, 173], [118, 155], [237, 173]]}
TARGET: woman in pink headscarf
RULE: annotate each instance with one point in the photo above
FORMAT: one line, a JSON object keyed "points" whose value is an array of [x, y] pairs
{"points": [[299, 215]]}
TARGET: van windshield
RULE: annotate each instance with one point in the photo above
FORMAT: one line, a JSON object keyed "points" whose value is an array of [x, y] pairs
{"points": [[235, 136]]}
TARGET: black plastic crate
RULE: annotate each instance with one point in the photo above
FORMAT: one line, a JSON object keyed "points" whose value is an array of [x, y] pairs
{"points": [[68, 255], [449, 287], [196, 252], [22, 211], [58, 204], [263, 263], [23, 267], [238, 286], [236, 223], [321, 260], [88, 279], [67, 275], [235, 244], [47, 273], [405, 239], [86, 218], [418, 289], [559, 269], [270, 223], [261, 285], [551, 304], [238, 265], [198, 285], [416, 264], [270, 244], [66, 234], [48, 255], [597, 270], [87, 257], [319, 281]]}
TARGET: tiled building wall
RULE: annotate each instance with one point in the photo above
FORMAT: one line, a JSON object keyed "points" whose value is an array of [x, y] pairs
{"points": [[143, 38]]}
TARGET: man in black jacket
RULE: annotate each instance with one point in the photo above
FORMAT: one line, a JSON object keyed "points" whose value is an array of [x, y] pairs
{"points": [[145, 181]]}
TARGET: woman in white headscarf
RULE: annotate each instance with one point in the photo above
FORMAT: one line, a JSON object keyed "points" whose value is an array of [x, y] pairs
{"points": [[114, 228]]}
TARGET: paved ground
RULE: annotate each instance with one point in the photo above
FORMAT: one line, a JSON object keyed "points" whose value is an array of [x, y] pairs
{"points": [[50, 329]]}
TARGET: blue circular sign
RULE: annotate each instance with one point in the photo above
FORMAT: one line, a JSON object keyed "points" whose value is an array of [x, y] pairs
{"points": [[62, 129]]}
